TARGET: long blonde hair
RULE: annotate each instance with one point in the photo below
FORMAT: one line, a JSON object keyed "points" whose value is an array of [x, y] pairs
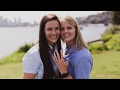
{"points": [[78, 37]]}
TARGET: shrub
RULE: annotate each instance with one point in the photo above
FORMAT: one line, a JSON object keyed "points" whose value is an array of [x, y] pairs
{"points": [[96, 47], [106, 37], [113, 29], [25, 47], [114, 42]]}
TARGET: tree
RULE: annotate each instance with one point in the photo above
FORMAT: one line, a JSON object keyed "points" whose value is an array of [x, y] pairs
{"points": [[116, 17]]}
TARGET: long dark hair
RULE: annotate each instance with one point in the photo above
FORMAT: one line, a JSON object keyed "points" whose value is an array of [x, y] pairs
{"points": [[43, 47]]}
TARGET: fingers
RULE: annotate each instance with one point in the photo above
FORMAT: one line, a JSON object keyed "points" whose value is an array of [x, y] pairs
{"points": [[57, 54], [55, 58], [61, 53], [67, 59]]}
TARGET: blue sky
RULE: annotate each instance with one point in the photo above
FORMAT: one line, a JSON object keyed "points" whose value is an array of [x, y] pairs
{"points": [[31, 16]]}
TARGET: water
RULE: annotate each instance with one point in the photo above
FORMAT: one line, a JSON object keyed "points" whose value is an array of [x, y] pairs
{"points": [[91, 33], [12, 38]]}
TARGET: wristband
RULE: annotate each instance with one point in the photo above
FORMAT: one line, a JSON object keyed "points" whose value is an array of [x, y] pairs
{"points": [[64, 75]]}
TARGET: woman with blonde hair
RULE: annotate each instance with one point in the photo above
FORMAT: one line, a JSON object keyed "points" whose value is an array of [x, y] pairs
{"points": [[80, 62]]}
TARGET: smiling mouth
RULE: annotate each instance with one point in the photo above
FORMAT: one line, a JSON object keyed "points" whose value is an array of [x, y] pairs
{"points": [[66, 36], [53, 37]]}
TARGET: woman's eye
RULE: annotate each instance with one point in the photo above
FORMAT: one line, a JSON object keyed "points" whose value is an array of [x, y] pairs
{"points": [[49, 29], [69, 28]]}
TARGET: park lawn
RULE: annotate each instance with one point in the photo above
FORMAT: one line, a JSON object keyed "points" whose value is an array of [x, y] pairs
{"points": [[11, 71], [106, 66]]}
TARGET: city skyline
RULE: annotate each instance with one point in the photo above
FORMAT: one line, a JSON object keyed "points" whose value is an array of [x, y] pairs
{"points": [[35, 16]]}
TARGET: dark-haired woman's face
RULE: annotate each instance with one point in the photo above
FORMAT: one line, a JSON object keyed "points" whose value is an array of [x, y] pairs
{"points": [[52, 31]]}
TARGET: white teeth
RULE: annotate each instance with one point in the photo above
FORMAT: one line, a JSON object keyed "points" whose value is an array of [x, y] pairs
{"points": [[53, 37], [66, 35]]}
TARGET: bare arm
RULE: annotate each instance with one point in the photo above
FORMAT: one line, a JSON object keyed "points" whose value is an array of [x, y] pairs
{"points": [[68, 77], [29, 76]]}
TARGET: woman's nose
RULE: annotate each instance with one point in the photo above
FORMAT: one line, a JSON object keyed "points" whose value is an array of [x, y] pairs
{"points": [[53, 32]]}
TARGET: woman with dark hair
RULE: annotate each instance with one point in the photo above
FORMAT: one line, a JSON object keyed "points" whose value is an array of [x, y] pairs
{"points": [[37, 62]]}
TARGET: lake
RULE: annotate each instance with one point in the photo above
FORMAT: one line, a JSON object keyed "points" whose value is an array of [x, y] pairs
{"points": [[11, 38]]}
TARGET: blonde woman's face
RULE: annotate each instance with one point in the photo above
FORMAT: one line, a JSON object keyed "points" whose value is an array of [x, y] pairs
{"points": [[52, 31], [67, 32]]}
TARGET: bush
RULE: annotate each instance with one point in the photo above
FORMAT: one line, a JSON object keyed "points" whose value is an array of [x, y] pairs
{"points": [[17, 55], [96, 47], [25, 47], [106, 37], [114, 29], [114, 42]]}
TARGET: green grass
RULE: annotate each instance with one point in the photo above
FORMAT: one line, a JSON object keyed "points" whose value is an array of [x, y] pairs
{"points": [[13, 58], [11, 71], [11, 66], [106, 66]]}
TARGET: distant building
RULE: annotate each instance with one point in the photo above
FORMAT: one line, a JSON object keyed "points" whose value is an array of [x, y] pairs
{"points": [[16, 23]]}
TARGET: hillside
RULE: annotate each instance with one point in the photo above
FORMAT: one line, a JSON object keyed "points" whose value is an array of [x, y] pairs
{"points": [[100, 18]]}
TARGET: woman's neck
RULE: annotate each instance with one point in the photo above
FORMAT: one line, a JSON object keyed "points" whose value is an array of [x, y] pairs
{"points": [[70, 44], [51, 44]]}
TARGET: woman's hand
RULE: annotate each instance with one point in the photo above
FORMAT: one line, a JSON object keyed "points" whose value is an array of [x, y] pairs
{"points": [[60, 63]]}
